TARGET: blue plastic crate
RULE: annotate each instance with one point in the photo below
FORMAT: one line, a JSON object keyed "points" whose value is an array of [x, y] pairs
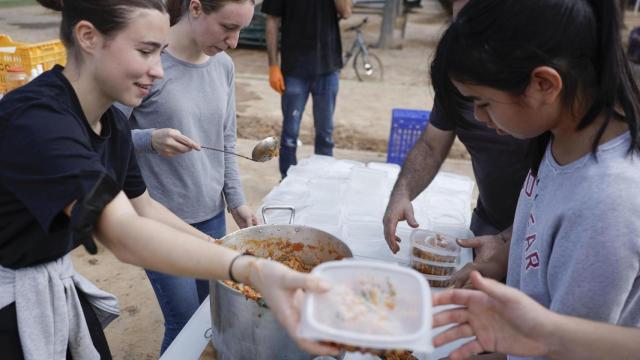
{"points": [[406, 127]]}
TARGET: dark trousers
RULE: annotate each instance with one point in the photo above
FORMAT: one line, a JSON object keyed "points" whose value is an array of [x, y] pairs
{"points": [[323, 90]]}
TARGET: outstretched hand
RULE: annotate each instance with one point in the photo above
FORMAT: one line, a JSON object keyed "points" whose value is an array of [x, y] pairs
{"points": [[398, 209], [280, 286], [501, 318]]}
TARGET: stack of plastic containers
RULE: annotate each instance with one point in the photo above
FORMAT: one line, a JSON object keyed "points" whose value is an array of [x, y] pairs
{"points": [[435, 255], [348, 198]]}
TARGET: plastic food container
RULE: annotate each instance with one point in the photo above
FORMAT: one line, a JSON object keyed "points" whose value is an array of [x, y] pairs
{"points": [[438, 281], [436, 247], [371, 305], [432, 267]]}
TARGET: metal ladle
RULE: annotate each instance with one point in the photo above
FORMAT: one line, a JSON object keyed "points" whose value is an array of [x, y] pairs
{"points": [[264, 150]]}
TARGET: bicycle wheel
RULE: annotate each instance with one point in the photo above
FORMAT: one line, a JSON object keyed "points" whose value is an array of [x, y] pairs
{"points": [[369, 70]]}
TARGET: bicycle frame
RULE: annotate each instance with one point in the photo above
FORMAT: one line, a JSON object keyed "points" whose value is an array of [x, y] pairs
{"points": [[358, 45]]}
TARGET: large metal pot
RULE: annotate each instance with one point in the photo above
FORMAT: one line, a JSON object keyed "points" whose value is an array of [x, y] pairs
{"points": [[244, 329]]}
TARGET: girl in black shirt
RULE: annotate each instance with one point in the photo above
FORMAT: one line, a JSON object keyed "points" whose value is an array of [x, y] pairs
{"points": [[68, 175]]}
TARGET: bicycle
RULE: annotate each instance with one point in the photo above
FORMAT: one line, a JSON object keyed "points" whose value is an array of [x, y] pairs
{"points": [[367, 65]]}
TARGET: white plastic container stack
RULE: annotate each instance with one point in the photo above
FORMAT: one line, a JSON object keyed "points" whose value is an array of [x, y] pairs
{"points": [[348, 199], [327, 193], [327, 220], [446, 202], [341, 169], [292, 191], [366, 195], [366, 239], [370, 305], [435, 255]]}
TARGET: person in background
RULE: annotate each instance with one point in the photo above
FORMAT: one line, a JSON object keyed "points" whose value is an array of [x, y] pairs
{"points": [[311, 59], [575, 245], [504, 320], [69, 176], [193, 104], [500, 165]]}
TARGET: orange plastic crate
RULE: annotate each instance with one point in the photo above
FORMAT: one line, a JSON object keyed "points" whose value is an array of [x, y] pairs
{"points": [[29, 56]]}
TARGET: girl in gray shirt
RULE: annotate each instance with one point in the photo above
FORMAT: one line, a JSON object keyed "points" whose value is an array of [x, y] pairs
{"points": [[193, 104], [555, 71]]}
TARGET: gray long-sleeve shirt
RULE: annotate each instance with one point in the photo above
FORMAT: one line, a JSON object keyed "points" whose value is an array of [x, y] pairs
{"points": [[198, 100], [576, 236]]}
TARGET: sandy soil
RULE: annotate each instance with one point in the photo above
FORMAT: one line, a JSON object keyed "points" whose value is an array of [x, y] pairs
{"points": [[362, 122]]}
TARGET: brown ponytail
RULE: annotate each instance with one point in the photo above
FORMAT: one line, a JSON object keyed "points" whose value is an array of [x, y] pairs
{"points": [[108, 16], [174, 8], [177, 8]]}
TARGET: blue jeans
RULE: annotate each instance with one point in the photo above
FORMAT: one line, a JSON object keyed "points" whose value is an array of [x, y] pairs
{"points": [[323, 90], [179, 297]]}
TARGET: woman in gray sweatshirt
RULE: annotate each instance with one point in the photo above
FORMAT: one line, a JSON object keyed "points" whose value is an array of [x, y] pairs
{"points": [[194, 104]]}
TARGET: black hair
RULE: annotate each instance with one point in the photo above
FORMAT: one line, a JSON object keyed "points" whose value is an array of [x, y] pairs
{"points": [[108, 16], [498, 43], [177, 8]]}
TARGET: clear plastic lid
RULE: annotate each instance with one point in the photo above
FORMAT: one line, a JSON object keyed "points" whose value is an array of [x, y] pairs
{"points": [[371, 305], [433, 246]]}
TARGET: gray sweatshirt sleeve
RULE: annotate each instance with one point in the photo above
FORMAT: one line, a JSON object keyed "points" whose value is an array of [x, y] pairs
{"points": [[142, 141], [141, 137], [232, 188]]}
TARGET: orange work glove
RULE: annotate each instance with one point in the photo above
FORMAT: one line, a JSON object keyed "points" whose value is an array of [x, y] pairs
{"points": [[275, 79]]}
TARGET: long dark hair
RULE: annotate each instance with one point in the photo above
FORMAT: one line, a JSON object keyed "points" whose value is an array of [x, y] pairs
{"points": [[498, 43], [108, 16], [177, 8]]}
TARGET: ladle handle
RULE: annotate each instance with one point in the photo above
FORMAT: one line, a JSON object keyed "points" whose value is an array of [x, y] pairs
{"points": [[278, 207], [226, 152]]}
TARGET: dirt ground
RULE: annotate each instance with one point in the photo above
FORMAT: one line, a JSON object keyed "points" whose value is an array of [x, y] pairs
{"points": [[362, 122]]}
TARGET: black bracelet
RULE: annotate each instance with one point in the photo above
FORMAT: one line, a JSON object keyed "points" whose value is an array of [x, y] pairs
{"points": [[231, 267]]}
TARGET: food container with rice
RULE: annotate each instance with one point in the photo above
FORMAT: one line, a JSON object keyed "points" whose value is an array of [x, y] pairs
{"points": [[371, 307], [433, 267], [433, 246], [434, 254]]}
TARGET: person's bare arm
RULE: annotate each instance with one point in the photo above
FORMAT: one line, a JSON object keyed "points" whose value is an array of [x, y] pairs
{"points": [[146, 207], [344, 8], [271, 35], [419, 169], [154, 245], [575, 338], [424, 161], [505, 320]]}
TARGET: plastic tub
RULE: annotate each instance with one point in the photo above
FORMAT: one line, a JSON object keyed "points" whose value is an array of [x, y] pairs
{"points": [[362, 206], [341, 169], [432, 246], [326, 193], [365, 238], [367, 180], [432, 267], [392, 170], [329, 221], [437, 281], [370, 305]]}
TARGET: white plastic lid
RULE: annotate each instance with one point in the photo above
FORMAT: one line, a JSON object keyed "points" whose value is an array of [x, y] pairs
{"points": [[372, 305]]}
